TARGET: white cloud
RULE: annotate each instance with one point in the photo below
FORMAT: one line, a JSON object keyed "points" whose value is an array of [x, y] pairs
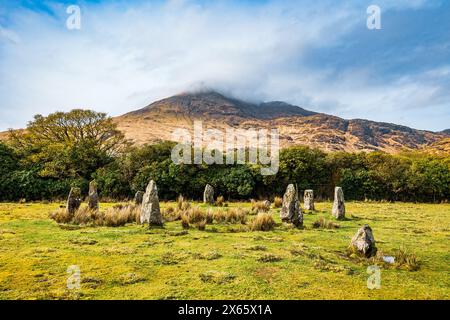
{"points": [[126, 57]]}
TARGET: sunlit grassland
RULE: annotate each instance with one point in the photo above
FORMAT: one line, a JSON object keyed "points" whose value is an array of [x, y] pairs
{"points": [[224, 261]]}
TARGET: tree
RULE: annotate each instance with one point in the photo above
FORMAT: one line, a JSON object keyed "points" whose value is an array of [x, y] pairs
{"points": [[69, 144]]}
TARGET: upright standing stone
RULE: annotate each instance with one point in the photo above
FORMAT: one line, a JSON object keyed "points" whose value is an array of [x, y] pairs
{"points": [[93, 196], [208, 195], [308, 200], [74, 200], [150, 212], [138, 197], [363, 242], [291, 211], [338, 206]]}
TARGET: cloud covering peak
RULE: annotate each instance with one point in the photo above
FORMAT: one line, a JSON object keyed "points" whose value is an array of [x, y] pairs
{"points": [[318, 55]]}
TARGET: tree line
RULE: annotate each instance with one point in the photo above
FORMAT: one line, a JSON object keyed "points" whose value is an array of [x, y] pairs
{"points": [[69, 149]]}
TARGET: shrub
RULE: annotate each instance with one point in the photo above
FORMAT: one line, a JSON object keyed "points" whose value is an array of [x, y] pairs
{"points": [[278, 202], [262, 222]]}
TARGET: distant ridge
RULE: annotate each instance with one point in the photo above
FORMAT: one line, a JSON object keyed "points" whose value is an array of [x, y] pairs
{"points": [[296, 125]]}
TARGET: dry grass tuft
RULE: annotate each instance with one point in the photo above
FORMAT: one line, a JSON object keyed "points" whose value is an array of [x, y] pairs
{"points": [[269, 257], [406, 260], [61, 216], [220, 201], [234, 215], [182, 204], [324, 224], [260, 206], [278, 202], [113, 217], [171, 214], [185, 221], [201, 225], [262, 222]]}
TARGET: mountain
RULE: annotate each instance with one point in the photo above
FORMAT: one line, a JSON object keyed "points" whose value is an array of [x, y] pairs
{"points": [[296, 125]]}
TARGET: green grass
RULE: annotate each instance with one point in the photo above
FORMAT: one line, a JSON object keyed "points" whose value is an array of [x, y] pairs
{"points": [[224, 261]]}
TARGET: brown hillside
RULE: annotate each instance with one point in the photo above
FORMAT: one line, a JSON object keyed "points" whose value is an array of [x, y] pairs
{"points": [[297, 126]]}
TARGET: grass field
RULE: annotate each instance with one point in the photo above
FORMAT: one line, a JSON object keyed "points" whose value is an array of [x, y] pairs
{"points": [[224, 261]]}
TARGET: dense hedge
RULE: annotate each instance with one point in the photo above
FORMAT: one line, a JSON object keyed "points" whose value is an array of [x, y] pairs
{"points": [[375, 176]]}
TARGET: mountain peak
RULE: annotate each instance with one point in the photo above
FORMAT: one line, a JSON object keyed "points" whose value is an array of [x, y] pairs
{"points": [[212, 103], [296, 125]]}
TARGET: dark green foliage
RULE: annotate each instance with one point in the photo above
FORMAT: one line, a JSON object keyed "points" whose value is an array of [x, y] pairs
{"points": [[45, 161]]}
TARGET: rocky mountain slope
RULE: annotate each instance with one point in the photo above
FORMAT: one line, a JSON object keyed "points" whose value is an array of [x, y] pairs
{"points": [[296, 125]]}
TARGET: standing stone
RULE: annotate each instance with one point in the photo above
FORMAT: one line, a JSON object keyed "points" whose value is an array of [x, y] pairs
{"points": [[93, 196], [74, 200], [208, 195], [138, 197], [363, 242], [150, 212], [338, 206], [308, 198], [291, 211], [267, 204]]}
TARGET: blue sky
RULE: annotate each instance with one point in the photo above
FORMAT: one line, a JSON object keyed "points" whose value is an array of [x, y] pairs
{"points": [[316, 54]]}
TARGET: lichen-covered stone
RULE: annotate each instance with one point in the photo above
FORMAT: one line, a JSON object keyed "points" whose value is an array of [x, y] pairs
{"points": [[138, 197], [208, 195], [93, 196], [290, 210], [338, 205], [363, 242], [308, 200], [74, 200], [150, 212]]}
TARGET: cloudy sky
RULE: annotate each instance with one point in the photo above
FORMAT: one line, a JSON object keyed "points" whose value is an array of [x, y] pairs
{"points": [[317, 54]]}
